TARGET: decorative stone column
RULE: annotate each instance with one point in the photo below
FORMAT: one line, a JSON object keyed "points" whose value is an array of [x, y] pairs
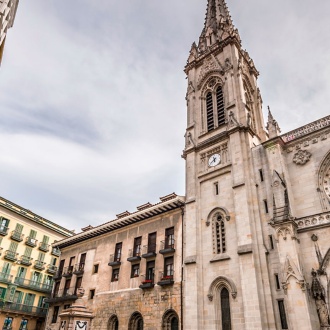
{"points": [[76, 317]]}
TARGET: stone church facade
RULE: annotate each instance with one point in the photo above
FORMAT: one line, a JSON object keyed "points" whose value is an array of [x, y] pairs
{"points": [[247, 247]]}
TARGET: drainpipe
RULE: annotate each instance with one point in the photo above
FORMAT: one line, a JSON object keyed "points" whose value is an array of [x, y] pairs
{"points": [[181, 284]]}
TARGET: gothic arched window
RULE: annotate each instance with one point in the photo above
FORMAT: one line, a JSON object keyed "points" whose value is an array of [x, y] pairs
{"points": [[225, 309], [219, 233], [220, 107]]}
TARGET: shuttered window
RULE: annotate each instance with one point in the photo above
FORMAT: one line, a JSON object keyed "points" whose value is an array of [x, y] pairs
{"points": [[13, 246], [28, 252], [41, 256], [33, 234], [19, 228], [220, 107], [209, 112]]}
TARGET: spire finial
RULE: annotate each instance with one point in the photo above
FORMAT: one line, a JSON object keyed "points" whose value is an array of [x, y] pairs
{"points": [[272, 125]]}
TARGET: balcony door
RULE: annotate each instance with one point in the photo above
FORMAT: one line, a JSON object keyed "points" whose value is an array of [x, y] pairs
{"points": [[150, 270], [28, 302], [152, 242]]}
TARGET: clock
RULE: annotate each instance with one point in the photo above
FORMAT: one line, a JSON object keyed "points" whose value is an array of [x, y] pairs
{"points": [[214, 160]]}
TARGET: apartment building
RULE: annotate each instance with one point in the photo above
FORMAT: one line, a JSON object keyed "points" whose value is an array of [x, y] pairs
{"points": [[28, 263], [129, 268]]}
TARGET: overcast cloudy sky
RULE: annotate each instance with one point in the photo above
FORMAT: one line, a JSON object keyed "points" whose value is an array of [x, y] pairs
{"points": [[92, 95]]}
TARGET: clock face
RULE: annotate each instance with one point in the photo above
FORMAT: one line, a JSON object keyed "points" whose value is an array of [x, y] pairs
{"points": [[214, 160]]}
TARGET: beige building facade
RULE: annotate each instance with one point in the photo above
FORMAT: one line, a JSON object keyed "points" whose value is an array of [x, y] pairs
{"points": [[8, 10], [250, 238], [27, 265]]}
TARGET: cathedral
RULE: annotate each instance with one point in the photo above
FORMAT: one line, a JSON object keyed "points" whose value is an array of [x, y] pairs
{"points": [[246, 248]]}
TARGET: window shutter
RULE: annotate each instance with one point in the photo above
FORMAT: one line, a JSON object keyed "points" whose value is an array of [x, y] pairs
{"points": [[45, 239], [19, 228], [33, 233], [41, 256], [53, 261], [209, 112], [28, 252], [13, 246]]}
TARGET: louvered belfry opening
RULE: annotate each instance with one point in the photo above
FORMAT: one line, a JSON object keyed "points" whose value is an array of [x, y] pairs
{"points": [[220, 235], [209, 112], [220, 107], [225, 309]]}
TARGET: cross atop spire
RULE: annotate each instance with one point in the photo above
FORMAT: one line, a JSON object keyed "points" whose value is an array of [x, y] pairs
{"points": [[218, 24]]}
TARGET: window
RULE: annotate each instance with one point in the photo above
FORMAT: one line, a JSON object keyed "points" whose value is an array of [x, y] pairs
{"points": [[118, 250], [216, 188], [55, 314], [4, 225], [115, 275], [113, 323], [78, 284], [7, 325], [23, 325], [66, 291], [277, 282], [261, 175], [271, 242], [150, 274], [168, 267], [96, 269], [219, 233], [169, 238], [209, 112], [56, 288], [266, 206], [91, 294], [135, 322], [281, 309], [220, 107], [137, 246], [82, 261], [170, 320], [152, 242], [135, 270], [225, 309], [61, 266]]}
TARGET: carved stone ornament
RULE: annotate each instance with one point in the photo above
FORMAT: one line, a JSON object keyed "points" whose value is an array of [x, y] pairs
{"points": [[80, 292], [301, 157], [81, 325]]}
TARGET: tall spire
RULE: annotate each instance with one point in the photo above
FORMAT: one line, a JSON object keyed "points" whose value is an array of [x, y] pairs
{"points": [[218, 24]]}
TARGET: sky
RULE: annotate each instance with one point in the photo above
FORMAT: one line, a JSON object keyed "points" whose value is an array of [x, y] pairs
{"points": [[92, 95]]}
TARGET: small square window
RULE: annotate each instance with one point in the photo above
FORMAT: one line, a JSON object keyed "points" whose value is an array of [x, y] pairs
{"points": [[135, 270], [115, 275], [91, 294], [96, 269]]}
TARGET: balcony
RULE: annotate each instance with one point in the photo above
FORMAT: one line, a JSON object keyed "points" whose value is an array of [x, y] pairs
{"points": [[43, 247], [33, 285], [16, 236], [147, 284], [11, 255], [114, 260], [51, 269], [56, 252], [5, 278], [31, 241], [149, 251], [58, 274], [24, 260], [134, 255], [65, 295], [165, 279], [26, 309], [40, 265], [79, 269], [3, 230], [167, 246], [67, 271]]}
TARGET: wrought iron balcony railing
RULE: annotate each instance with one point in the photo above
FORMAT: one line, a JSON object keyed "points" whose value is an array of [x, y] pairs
{"points": [[149, 251], [166, 278], [43, 246], [79, 268], [67, 271], [114, 260], [5, 277], [167, 246], [134, 254], [51, 269], [63, 295], [56, 252], [40, 265], [32, 310], [34, 285], [4, 230], [11, 255], [31, 241], [17, 236], [24, 260]]}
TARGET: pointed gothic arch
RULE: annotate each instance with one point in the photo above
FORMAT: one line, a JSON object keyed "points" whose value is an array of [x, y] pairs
{"points": [[217, 218], [113, 323], [221, 291], [135, 322], [170, 320]]}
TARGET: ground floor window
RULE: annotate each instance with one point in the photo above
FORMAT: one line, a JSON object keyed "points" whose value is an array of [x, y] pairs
{"points": [[24, 324], [170, 320], [136, 322], [8, 323], [225, 309], [113, 323]]}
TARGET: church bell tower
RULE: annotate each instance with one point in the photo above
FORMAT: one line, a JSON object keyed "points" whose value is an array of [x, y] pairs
{"points": [[224, 256]]}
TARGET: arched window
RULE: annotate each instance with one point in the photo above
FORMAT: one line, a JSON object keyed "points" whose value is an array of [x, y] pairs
{"points": [[219, 233], [113, 323], [135, 322], [209, 112], [220, 107], [225, 309], [170, 320]]}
